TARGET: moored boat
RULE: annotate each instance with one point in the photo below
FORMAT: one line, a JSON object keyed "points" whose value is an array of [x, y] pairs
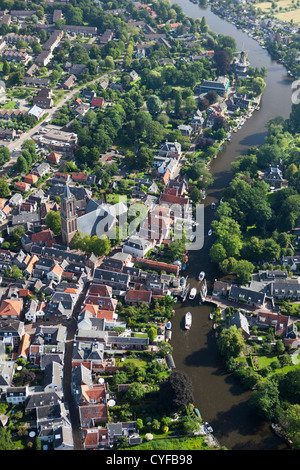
{"points": [[208, 427], [188, 320], [169, 325], [201, 276], [193, 293]]}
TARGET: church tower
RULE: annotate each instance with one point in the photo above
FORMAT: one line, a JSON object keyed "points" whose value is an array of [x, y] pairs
{"points": [[68, 216]]}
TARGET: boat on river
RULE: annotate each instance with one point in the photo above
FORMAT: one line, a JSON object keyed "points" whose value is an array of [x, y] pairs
{"points": [[208, 427], [193, 293], [188, 320], [169, 325], [210, 232], [201, 276]]}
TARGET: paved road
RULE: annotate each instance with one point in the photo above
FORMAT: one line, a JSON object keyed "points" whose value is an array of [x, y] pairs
{"points": [[68, 395]]}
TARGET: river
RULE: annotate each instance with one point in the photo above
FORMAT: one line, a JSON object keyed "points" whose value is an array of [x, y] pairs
{"points": [[220, 398]]}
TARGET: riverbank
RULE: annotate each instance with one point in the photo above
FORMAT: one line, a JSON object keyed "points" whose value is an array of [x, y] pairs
{"points": [[259, 29], [220, 398]]}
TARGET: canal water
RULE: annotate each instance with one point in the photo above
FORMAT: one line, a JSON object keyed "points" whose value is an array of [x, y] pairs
{"points": [[220, 398]]}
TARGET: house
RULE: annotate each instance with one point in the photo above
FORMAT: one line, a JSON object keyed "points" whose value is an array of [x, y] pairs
{"points": [[41, 170], [282, 324], [31, 179], [185, 130], [7, 370], [16, 395], [220, 85], [21, 186], [32, 69], [136, 296], [36, 112], [127, 429], [44, 58], [246, 296], [15, 56], [7, 134], [97, 102], [240, 321], [117, 281], [133, 75], [16, 200], [274, 177], [11, 332], [55, 273], [53, 377], [95, 438], [11, 309], [36, 81], [53, 157], [88, 95], [136, 246], [69, 82], [85, 30], [44, 99], [170, 149]]}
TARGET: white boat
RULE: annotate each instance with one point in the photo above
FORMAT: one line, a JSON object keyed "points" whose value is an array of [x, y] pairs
{"points": [[188, 320], [208, 427], [213, 205], [169, 325], [210, 232], [193, 293], [201, 276]]}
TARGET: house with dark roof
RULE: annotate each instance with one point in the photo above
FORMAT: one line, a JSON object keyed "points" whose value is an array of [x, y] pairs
{"points": [[244, 295]]}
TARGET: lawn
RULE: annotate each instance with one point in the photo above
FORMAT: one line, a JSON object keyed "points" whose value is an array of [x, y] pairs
{"points": [[185, 443], [116, 198], [10, 105]]}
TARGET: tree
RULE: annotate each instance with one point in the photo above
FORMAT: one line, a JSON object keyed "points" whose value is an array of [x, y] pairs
{"points": [[154, 105], [289, 419], [6, 442], [266, 399], [231, 342], [243, 270], [21, 164], [4, 188], [135, 392], [289, 386], [176, 393], [53, 221], [217, 253], [222, 60], [14, 272], [258, 85]]}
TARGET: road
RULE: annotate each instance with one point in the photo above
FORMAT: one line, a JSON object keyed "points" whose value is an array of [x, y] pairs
{"points": [[67, 380]]}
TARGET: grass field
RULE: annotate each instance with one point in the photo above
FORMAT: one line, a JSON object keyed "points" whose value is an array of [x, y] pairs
{"points": [[290, 15], [293, 14]]}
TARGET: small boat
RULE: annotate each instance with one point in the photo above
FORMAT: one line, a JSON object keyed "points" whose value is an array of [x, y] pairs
{"points": [[213, 205], [208, 427], [193, 293], [175, 299], [201, 276], [210, 232], [169, 325], [188, 320]]}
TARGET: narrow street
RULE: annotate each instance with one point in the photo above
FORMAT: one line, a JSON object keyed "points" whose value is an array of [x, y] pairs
{"points": [[67, 387]]}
